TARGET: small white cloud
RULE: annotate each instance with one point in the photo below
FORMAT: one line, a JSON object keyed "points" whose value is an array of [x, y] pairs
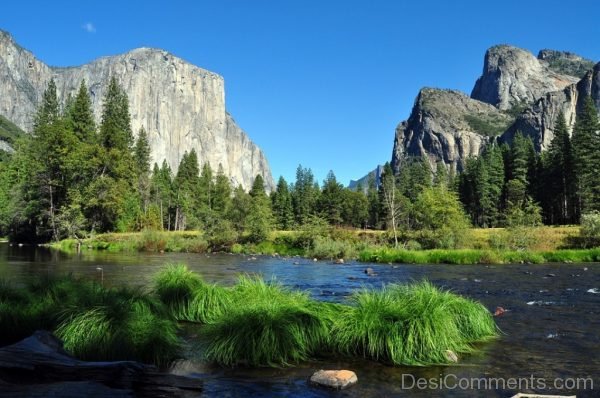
{"points": [[89, 27]]}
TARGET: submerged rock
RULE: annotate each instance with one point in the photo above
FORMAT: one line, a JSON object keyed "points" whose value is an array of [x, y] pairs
{"points": [[338, 379], [370, 271]]}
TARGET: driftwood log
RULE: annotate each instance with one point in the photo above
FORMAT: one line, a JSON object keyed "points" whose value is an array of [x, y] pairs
{"points": [[38, 366]]}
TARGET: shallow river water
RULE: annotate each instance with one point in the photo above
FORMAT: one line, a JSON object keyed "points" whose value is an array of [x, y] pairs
{"points": [[550, 335]]}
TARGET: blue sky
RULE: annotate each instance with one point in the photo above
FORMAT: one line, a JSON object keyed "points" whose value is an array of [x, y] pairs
{"points": [[317, 83]]}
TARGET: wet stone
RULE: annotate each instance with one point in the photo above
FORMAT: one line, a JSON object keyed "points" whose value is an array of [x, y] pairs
{"points": [[337, 379]]}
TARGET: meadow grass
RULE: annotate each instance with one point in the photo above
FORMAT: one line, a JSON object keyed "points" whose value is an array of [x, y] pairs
{"points": [[474, 256]]}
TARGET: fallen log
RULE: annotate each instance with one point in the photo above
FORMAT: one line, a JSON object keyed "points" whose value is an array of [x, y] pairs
{"points": [[39, 366]]}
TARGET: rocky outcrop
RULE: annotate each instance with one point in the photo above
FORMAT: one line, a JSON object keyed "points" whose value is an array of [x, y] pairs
{"points": [[538, 120], [180, 105], [517, 92], [447, 126], [513, 76], [566, 63], [38, 366], [364, 181]]}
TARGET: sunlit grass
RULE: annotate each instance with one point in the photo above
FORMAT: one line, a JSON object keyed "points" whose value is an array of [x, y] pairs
{"points": [[411, 325]]}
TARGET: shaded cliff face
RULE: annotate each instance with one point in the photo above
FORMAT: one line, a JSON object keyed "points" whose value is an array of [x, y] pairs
{"points": [[447, 126], [181, 106], [512, 76]]}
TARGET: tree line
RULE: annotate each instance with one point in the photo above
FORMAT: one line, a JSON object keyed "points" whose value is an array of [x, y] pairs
{"points": [[71, 177], [514, 183]]}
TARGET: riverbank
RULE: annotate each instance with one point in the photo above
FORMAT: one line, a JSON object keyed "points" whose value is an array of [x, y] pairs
{"points": [[485, 246]]}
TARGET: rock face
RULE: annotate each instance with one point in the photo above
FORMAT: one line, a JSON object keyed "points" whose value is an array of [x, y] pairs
{"points": [[538, 120], [517, 92], [180, 105], [512, 76], [447, 126]]}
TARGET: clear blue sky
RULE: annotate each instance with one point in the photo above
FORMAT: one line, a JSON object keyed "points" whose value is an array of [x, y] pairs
{"points": [[321, 83]]}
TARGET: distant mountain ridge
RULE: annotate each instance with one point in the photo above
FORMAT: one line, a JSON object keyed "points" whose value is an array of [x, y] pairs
{"points": [[181, 106]]}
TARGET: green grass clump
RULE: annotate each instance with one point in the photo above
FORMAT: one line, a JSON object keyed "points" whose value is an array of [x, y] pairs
{"points": [[175, 286], [94, 322], [265, 324], [411, 325], [208, 303], [264, 333], [131, 331]]}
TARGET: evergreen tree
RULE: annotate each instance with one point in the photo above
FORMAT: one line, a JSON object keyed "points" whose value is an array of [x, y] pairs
{"points": [[186, 191], [330, 201], [559, 177], [81, 116], [354, 208], [240, 208], [281, 203], [162, 193], [374, 207], [49, 110], [115, 130], [142, 153], [586, 150], [304, 195], [259, 220], [222, 193]]}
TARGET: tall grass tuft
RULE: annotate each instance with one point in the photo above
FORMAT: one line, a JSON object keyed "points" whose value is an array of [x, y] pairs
{"points": [[94, 322], [265, 325], [264, 333], [175, 286], [410, 325], [208, 302]]}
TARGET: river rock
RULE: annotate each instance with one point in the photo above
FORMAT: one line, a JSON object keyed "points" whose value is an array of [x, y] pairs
{"points": [[451, 356], [370, 271], [338, 379], [339, 261]]}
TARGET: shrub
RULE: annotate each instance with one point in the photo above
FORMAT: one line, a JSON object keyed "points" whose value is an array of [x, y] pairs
{"points": [[590, 228]]}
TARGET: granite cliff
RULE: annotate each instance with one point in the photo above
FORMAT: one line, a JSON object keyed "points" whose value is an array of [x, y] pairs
{"points": [[516, 92], [181, 106]]}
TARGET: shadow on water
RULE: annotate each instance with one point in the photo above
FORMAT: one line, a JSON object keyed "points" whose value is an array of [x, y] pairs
{"points": [[549, 332]]}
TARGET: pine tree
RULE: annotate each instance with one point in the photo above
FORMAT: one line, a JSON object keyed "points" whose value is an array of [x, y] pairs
{"points": [[374, 206], [259, 220], [142, 153], [49, 110], [222, 193], [304, 195], [281, 203], [186, 185], [115, 130], [559, 178], [586, 150], [330, 200], [81, 116]]}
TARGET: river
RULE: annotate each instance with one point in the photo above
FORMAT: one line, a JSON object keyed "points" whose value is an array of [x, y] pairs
{"points": [[550, 333]]}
